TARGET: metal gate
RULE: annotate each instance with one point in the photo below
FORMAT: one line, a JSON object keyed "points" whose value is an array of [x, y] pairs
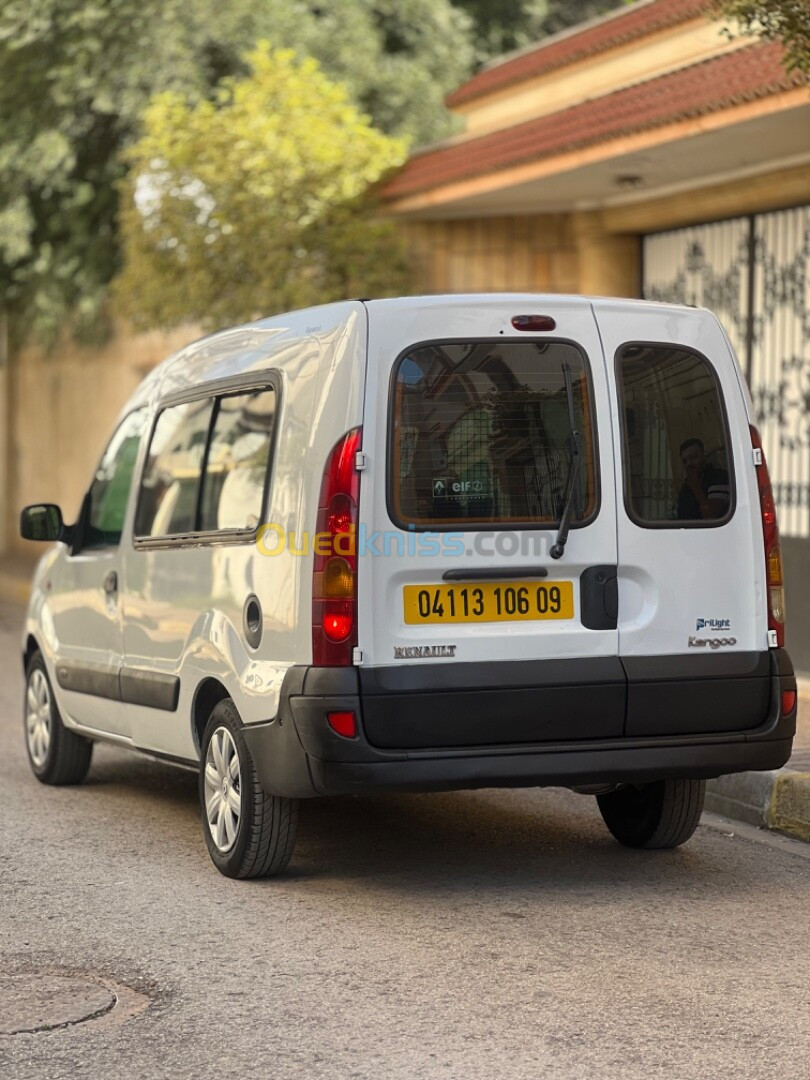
{"points": [[753, 273]]}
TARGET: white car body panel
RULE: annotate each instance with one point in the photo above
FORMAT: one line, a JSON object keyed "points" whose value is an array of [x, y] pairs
{"points": [[382, 628], [179, 609], [670, 578]]}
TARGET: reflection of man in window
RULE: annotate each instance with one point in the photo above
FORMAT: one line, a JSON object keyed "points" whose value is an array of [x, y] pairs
{"points": [[705, 492]]}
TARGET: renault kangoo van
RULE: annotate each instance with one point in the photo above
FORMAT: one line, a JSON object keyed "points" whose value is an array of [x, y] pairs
{"points": [[423, 544]]}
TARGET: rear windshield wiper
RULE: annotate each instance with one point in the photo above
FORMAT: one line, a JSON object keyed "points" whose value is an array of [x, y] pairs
{"points": [[558, 547]]}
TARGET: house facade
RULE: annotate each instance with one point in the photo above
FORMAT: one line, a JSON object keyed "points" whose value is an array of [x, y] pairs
{"points": [[645, 153]]}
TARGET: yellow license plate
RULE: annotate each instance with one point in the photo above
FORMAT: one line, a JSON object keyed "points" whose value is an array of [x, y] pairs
{"points": [[488, 602]]}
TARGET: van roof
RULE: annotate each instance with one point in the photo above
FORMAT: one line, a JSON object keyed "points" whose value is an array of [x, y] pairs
{"points": [[207, 357]]}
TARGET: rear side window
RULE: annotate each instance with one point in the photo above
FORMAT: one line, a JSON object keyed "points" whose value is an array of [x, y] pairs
{"points": [[171, 480], [207, 465], [236, 465], [481, 434], [677, 465]]}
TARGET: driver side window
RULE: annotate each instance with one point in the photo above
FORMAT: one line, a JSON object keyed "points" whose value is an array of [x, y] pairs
{"points": [[109, 493]]}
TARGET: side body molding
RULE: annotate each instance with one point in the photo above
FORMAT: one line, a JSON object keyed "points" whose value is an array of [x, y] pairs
{"points": [[132, 686]]}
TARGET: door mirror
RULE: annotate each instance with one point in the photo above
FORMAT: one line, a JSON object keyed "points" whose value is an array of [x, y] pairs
{"points": [[42, 522]]}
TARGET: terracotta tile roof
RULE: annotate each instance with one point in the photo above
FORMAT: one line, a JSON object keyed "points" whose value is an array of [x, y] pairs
{"points": [[626, 26], [752, 72]]}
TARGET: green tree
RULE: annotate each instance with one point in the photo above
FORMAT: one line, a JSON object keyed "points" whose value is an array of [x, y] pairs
{"points": [[253, 202], [400, 58], [787, 21], [76, 75], [511, 24], [73, 79]]}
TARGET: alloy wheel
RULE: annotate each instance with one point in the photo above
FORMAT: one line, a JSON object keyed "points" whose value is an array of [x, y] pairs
{"points": [[223, 789], [38, 717]]}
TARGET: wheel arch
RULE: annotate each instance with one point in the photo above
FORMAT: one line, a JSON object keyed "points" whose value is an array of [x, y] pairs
{"points": [[208, 694], [31, 646]]}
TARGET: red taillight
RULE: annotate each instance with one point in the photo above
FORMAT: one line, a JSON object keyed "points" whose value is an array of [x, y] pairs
{"points": [[774, 580], [533, 322], [344, 723], [334, 567], [338, 622]]}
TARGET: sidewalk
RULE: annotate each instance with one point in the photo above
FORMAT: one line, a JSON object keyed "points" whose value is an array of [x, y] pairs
{"points": [[775, 800], [800, 760]]}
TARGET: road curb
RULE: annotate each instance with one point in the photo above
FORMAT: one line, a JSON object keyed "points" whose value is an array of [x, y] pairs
{"points": [[790, 804], [778, 800]]}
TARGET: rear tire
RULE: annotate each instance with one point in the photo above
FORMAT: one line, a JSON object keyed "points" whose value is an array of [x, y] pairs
{"points": [[249, 833], [663, 814], [56, 755]]}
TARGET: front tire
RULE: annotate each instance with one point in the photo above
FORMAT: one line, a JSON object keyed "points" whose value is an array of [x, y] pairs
{"points": [[56, 754], [249, 833], [663, 814]]}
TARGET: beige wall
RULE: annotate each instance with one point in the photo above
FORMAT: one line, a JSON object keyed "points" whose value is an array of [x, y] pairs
{"points": [[5, 442], [61, 409], [512, 254], [597, 253], [557, 253], [774, 190]]}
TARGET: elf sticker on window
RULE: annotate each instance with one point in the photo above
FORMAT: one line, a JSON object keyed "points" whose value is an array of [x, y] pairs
{"points": [[460, 489]]}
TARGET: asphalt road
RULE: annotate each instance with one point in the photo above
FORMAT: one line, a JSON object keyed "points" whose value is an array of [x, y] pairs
{"points": [[474, 935]]}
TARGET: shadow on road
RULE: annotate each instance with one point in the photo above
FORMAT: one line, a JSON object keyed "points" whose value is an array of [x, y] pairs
{"points": [[492, 841], [476, 842]]}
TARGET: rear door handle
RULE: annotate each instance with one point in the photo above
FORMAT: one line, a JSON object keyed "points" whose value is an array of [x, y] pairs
{"points": [[599, 597], [111, 583]]}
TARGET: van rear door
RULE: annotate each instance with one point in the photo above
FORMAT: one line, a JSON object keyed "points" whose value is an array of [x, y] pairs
{"points": [[468, 442], [692, 616]]}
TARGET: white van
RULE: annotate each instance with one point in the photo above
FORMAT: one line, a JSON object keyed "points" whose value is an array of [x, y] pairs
{"points": [[423, 544]]}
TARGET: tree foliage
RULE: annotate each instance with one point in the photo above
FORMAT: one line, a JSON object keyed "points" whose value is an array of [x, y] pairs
{"points": [[400, 58], [73, 80], [511, 24], [787, 21], [76, 75], [253, 202]]}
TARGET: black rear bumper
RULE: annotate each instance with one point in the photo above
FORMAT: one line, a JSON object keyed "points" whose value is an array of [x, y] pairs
{"points": [[526, 724]]}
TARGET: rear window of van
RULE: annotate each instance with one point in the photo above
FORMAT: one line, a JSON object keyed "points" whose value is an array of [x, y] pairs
{"points": [[677, 466], [481, 434]]}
